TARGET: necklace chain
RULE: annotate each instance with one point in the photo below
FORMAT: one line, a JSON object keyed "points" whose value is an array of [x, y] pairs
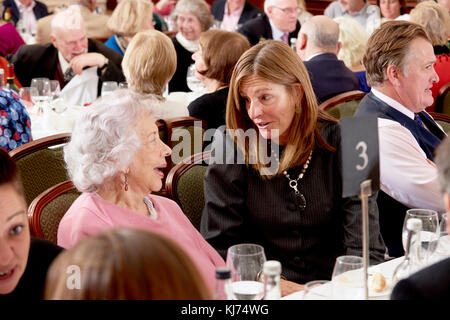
{"points": [[293, 183]]}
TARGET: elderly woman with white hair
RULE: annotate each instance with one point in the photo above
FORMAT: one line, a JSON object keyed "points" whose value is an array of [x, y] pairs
{"points": [[353, 39], [115, 158], [192, 17]]}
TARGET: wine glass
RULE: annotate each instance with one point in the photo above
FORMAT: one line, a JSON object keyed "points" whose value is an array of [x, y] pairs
{"points": [[108, 87], [443, 247], [193, 82], [44, 93], [123, 85], [429, 235], [55, 89], [246, 264], [348, 278], [26, 94], [317, 290]]}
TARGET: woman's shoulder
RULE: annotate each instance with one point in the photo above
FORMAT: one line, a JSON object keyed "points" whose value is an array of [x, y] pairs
{"points": [[164, 202]]}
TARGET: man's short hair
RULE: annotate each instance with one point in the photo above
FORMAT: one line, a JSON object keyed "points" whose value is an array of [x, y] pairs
{"points": [[389, 45], [443, 164], [320, 33], [69, 19]]}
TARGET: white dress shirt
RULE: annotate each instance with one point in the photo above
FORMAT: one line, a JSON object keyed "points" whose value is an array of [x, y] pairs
{"points": [[277, 34], [405, 172], [28, 18]]}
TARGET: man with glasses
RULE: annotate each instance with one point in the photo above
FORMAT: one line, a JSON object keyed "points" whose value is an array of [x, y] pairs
{"points": [[359, 10], [279, 22]]}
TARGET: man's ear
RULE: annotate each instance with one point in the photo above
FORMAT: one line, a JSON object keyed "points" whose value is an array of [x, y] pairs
{"points": [[303, 41], [53, 40], [339, 47], [447, 202], [269, 11], [393, 73]]}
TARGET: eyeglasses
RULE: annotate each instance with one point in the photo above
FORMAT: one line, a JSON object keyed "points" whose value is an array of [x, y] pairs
{"points": [[289, 10]]}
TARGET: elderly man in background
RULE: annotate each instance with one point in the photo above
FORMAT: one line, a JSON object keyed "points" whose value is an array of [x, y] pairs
{"points": [[399, 60], [279, 22], [318, 46], [94, 23], [232, 13], [360, 10], [70, 50], [31, 11]]}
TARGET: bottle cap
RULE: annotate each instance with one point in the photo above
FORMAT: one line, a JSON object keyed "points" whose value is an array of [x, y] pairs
{"points": [[414, 224], [223, 273], [272, 267]]}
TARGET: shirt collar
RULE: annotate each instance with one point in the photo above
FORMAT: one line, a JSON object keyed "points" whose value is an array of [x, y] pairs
{"points": [[360, 12], [393, 103], [22, 7], [276, 33], [63, 63], [236, 13]]}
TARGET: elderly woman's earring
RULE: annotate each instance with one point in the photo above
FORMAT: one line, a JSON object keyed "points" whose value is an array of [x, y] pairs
{"points": [[126, 182]]}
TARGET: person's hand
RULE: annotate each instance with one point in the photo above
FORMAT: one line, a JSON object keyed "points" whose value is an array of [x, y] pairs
{"points": [[90, 59], [287, 287]]}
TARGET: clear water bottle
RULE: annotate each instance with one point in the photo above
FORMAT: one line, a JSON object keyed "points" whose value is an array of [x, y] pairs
{"points": [[223, 284], [411, 262], [272, 273]]}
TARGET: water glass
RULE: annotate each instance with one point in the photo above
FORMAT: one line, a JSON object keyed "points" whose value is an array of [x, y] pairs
{"points": [[43, 87], [108, 87], [193, 82], [429, 235], [246, 264], [348, 278], [317, 290], [123, 85], [443, 247], [55, 89]]}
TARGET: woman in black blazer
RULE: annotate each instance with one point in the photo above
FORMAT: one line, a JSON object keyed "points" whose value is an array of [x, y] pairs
{"points": [[275, 175]]}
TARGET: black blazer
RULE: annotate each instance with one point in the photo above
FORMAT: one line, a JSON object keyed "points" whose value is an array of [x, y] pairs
{"points": [[40, 10], [37, 60], [249, 12], [329, 76], [431, 283], [259, 28]]}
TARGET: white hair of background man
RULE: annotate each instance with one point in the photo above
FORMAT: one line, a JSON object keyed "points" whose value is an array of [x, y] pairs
{"points": [[69, 19]]}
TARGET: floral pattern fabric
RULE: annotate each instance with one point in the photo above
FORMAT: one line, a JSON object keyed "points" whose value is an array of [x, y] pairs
{"points": [[15, 124]]}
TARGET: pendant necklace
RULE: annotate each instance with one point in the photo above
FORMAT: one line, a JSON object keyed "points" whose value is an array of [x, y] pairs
{"points": [[293, 183]]}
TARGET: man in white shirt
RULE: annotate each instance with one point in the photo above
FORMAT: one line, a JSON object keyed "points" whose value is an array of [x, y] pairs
{"points": [[279, 22], [31, 11], [359, 10], [399, 62]]}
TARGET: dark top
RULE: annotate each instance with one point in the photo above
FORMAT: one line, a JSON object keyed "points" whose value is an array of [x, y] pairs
{"points": [[363, 86], [432, 282], [31, 285], [330, 77], [249, 12], [259, 28], [241, 206], [41, 60], [184, 60], [392, 212], [40, 9], [210, 107]]}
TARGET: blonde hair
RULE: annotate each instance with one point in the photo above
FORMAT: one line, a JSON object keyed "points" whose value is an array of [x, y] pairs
{"points": [[149, 62], [129, 16], [126, 264], [276, 62], [353, 38], [435, 19]]}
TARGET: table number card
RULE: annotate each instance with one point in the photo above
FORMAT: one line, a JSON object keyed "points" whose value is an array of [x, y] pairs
{"points": [[360, 154]]}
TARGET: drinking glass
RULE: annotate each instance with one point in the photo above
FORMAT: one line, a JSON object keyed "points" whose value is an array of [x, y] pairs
{"points": [[192, 81], [348, 278], [317, 290], [429, 235], [108, 87], [43, 87], [246, 263], [443, 247], [55, 89], [123, 85], [26, 94]]}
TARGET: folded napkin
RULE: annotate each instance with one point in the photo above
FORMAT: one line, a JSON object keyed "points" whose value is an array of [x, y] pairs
{"points": [[82, 88]]}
